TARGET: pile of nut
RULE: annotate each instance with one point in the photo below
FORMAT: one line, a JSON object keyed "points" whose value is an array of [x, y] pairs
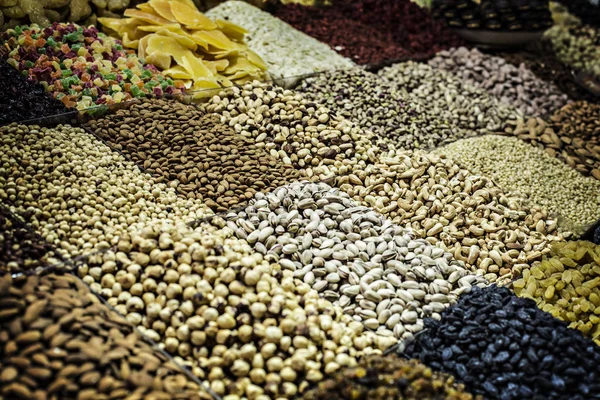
{"points": [[57, 340], [193, 153], [243, 325], [77, 192]]}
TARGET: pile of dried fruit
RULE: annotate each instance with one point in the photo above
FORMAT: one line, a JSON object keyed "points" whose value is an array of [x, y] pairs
{"points": [[567, 285], [194, 153], [504, 347], [185, 44], [389, 378], [23, 99], [58, 341], [82, 67]]}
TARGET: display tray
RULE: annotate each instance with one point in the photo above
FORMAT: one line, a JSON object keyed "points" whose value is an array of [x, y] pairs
{"points": [[498, 39]]}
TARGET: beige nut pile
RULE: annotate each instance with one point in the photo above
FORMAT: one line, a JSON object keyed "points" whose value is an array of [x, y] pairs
{"points": [[242, 325]]}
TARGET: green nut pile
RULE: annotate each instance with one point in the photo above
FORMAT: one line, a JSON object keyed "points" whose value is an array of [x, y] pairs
{"points": [[524, 170], [77, 192], [389, 378], [243, 326], [567, 285], [193, 153], [58, 341], [576, 46]]}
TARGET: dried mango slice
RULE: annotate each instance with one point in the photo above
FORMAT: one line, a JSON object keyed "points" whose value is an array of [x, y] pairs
{"points": [[143, 47], [216, 66], [163, 8], [160, 59], [204, 83], [240, 64], [182, 56], [119, 25], [187, 14], [130, 43], [155, 28], [145, 7], [230, 29], [177, 72], [217, 39], [182, 37], [146, 17], [255, 59]]}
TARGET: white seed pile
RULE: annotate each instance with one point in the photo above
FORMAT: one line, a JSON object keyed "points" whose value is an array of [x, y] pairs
{"points": [[528, 171], [242, 325], [466, 109], [512, 85], [464, 213], [77, 192], [353, 256], [287, 51], [290, 127]]}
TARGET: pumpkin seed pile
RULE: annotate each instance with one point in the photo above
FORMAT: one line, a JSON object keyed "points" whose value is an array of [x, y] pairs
{"points": [[516, 86], [195, 154], [58, 341], [468, 110], [504, 347], [374, 104], [523, 169], [389, 378], [465, 214], [77, 192], [21, 249], [287, 51], [565, 284], [353, 256], [243, 326]]}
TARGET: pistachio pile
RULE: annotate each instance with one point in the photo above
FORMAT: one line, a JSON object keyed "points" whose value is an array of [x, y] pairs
{"points": [[193, 153], [353, 256], [468, 110], [287, 51], [373, 104], [572, 134], [77, 192], [290, 127], [57, 340], [566, 284], [576, 46], [389, 378], [515, 86], [524, 170], [21, 249], [243, 325], [466, 214]]}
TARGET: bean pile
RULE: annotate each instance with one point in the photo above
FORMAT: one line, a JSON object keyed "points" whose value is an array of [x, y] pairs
{"points": [[388, 378], [466, 109], [23, 99], [466, 214], [77, 192], [376, 105], [572, 134], [291, 127], [195, 154], [516, 86], [565, 284], [287, 51], [241, 324], [504, 347], [58, 341], [353, 256], [522, 169], [20, 248]]}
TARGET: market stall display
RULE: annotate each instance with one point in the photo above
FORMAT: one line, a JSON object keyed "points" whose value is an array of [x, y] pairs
{"points": [[211, 203]]}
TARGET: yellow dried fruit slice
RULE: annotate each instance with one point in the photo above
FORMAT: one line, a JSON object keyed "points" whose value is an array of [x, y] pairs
{"points": [[255, 59], [160, 59], [182, 37], [118, 25], [230, 29], [143, 47], [177, 72], [163, 8], [205, 83], [146, 17], [145, 7], [187, 14], [175, 27], [130, 43], [218, 40]]}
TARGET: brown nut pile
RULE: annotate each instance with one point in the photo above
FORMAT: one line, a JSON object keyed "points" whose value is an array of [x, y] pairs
{"points": [[244, 326], [57, 341], [572, 134], [389, 378], [193, 153], [466, 214], [21, 249], [77, 192], [45, 12], [567, 285], [290, 127]]}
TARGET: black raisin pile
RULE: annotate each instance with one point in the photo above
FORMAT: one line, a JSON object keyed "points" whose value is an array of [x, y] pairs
{"points": [[22, 99], [505, 347]]}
